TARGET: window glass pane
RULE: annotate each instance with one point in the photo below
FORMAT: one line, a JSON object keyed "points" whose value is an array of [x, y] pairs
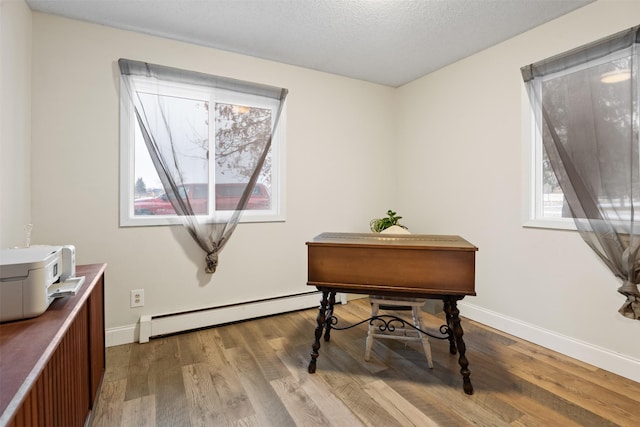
{"points": [[552, 197], [242, 132], [189, 120]]}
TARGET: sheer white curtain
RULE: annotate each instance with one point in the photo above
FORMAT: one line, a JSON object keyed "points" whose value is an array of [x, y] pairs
{"points": [[164, 127], [587, 106]]}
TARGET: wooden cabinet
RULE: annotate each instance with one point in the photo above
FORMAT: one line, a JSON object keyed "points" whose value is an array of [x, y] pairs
{"points": [[51, 366]]}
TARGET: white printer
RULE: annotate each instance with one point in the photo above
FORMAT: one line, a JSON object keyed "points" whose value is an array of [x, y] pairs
{"points": [[31, 278]]}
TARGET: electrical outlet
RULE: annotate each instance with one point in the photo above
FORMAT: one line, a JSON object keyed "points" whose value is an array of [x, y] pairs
{"points": [[137, 298]]}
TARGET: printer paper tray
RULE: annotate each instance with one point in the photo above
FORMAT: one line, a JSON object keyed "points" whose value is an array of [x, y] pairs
{"points": [[69, 287]]}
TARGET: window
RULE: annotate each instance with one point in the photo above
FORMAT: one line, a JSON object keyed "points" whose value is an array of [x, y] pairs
{"points": [[596, 84], [222, 122]]}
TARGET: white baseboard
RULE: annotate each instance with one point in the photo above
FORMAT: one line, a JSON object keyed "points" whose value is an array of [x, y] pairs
{"points": [[602, 358], [121, 335], [169, 323]]}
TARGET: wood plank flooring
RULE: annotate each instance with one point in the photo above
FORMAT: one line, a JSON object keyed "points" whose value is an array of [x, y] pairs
{"points": [[254, 373]]}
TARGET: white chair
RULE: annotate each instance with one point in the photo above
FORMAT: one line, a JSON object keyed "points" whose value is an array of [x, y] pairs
{"points": [[398, 303], [404, 334]]}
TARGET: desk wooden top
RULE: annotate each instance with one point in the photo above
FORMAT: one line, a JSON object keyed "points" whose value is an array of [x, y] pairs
{"points": [[405, 241], [27, 345]]}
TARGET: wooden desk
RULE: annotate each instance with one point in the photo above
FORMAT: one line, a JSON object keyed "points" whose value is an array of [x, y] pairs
{"points": [[411, 265], [51, 366]]}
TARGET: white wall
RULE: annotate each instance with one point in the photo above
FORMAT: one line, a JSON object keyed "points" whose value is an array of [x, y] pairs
{"points": [[461, 173], [15, 124], [339, 131]]}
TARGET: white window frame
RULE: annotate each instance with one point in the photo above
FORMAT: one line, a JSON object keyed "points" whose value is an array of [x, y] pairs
{"points": [[533, 176], [128, 126]]}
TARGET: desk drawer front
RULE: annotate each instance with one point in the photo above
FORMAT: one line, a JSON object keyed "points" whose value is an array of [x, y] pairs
{"points": [[409, 269]]}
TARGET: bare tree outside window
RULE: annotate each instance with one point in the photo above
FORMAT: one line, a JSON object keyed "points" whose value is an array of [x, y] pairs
{"points": [[241, 133]]}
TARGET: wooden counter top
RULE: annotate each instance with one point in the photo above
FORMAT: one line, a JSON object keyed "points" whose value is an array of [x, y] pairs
{"points": [[27, 345]]}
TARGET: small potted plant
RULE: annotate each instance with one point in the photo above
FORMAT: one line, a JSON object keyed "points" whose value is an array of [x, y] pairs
{"points": [[379, 224]]}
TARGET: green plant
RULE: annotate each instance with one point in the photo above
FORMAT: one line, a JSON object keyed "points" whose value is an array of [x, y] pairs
{"points": [[379, 224]]}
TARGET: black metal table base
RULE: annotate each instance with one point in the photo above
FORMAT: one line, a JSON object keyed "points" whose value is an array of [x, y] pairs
{"points": [[452, 331]]}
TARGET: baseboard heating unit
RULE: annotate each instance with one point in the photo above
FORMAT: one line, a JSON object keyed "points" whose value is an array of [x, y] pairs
{"points": [[171, 323]]}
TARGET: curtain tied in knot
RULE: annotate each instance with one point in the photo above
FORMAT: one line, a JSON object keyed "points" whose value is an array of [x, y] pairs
{"points": [[212, 261], [631, 307]]}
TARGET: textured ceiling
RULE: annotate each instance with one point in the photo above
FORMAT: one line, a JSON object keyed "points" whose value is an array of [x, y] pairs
{"points": [[390, 42]]}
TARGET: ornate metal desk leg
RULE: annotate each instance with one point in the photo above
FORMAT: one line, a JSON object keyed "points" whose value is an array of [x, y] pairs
{"points": [[321, 319], [457, 333], [329, 313], [447, 313]]}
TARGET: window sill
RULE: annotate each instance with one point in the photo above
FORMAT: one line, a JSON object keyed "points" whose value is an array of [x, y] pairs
{"points": [[552, 224]]}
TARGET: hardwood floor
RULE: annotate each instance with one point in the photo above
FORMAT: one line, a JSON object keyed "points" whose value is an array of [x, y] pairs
{"points": [[255, 374]]}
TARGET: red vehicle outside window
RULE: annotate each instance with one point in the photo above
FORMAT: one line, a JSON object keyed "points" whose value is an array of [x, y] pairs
{"points": [[227, 197]]}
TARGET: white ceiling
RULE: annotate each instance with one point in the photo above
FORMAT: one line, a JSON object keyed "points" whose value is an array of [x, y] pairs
{"points": [[390, 42]]}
